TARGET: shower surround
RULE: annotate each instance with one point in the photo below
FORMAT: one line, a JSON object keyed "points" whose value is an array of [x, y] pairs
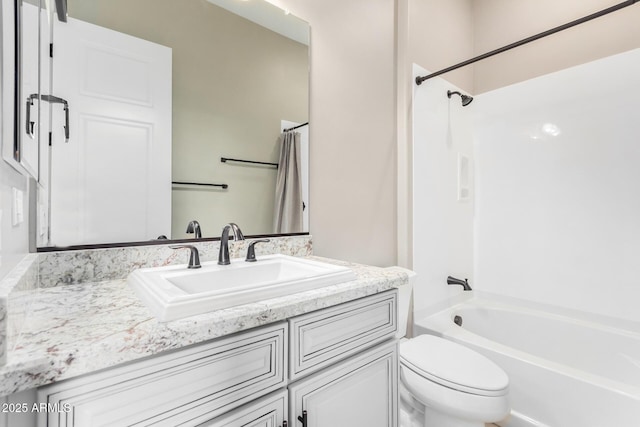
{"points": [[558, 188], [555, 201]]}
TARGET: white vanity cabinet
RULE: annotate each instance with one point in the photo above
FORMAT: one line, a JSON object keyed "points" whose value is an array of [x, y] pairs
{"points": [[353, 381], [185, 387], [335, 367]]}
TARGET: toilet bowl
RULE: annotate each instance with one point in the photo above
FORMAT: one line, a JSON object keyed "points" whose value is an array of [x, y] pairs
{"points": [[451, 383], [443, 383]]}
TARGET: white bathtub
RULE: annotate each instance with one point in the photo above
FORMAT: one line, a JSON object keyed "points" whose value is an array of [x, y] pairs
{"points": [[563, 371]]}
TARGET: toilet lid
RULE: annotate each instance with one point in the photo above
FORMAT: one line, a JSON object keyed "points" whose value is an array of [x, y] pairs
{"points": [[453, 365]]}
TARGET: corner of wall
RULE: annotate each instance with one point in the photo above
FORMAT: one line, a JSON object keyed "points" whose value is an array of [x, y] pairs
{"points": [[14, 240]]}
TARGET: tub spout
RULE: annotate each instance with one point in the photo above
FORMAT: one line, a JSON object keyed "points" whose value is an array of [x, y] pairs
{"points": [[464, 283]]}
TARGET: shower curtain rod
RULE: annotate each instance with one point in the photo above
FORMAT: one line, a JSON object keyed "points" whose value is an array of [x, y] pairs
{"points": [[603, 12], [295, 127]]}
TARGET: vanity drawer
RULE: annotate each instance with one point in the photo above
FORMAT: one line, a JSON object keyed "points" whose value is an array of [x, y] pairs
{"points": [[269, 411], [323, 337], [185, 387]]}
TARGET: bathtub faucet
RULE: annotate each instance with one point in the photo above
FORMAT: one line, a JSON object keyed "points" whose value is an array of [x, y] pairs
{"points": [[464, 283]]}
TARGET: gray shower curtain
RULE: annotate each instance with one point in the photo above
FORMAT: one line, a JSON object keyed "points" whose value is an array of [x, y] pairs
{"points": [[288, 202]]}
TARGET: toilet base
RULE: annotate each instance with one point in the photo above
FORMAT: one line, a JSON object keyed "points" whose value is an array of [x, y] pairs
{"points": [[411, 413], [414, 414], [435, 418]]}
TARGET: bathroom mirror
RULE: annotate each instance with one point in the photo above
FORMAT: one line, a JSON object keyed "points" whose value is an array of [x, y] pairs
{"points": [[227, 78]]}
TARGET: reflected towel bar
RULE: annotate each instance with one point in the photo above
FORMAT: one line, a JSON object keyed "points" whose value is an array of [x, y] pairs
{"points": [[225, 186], [295, 127], [226, 159]]}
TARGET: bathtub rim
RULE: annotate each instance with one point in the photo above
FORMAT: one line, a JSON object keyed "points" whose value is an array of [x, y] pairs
{"points": [[441, 324], [601, 319]]}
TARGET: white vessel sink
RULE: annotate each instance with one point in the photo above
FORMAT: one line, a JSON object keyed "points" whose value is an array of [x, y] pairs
{"points": [[174, 292]]}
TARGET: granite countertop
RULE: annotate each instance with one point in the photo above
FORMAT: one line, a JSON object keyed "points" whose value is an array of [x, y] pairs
{"points": [[80, 328]]}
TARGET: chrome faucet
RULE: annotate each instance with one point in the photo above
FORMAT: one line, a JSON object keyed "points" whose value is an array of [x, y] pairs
{"points": [[223, 254], [464, 283], [194, 257], [194, 228]]}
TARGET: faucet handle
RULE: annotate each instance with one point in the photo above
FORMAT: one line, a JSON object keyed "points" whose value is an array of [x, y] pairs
{"points": [[251, 252], [194, 258]]}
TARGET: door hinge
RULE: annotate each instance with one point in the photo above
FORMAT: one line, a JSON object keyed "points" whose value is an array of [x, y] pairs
{"points": [[50, 138], [50, 50]]}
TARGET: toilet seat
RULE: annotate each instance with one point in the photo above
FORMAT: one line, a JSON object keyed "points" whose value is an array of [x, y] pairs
{"points": [[454, 366]]}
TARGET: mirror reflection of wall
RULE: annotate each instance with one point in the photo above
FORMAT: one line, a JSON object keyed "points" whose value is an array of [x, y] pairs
{"points": [[233, 83]]}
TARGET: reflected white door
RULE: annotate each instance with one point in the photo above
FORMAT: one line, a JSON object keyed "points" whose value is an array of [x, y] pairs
{"points": [[111, 182]]}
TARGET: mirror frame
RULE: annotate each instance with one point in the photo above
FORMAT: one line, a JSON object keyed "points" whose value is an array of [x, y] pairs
{"points": [[10, 87], [158, 242]]}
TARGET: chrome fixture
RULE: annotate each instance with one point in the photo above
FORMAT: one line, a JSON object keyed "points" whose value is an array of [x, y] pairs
{"points": [[223, 254], [251, 252], [194, 258], [194, 228], [466, 99], [464, 283]]}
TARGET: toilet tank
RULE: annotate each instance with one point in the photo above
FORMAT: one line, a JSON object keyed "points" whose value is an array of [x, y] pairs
{"points": [[404, 301]]}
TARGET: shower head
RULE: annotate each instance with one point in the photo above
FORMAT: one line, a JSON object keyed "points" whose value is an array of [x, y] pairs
{"points": [[466, 99]]}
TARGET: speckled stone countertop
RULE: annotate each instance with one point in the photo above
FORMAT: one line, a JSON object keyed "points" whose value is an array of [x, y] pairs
{"points": [[80, 328]]}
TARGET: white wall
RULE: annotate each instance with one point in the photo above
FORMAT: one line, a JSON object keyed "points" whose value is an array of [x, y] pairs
{"points": [[557, 217], [443, 225], [441, 33], [497, 23], [14, 242], [352, 128]]}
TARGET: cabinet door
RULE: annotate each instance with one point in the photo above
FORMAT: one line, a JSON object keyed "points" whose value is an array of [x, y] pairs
{"points": [[361, 391], [270, 411], [181, 388]]}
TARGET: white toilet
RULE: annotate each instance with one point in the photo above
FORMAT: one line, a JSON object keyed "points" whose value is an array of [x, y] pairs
{"points": [[445, 384]]}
